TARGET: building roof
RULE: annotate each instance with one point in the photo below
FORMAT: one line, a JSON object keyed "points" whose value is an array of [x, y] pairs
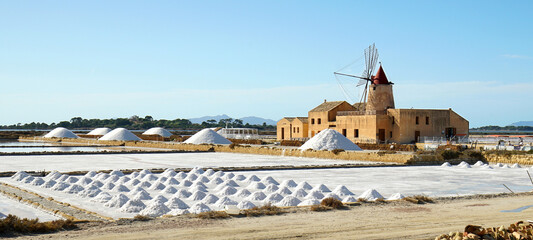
{"points": [[326, 106], [380, 77], [288, 118], [303, 119]]}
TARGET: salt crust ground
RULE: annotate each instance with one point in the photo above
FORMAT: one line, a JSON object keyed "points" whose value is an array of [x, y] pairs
{"points": [[9, 206], [154, 160]]}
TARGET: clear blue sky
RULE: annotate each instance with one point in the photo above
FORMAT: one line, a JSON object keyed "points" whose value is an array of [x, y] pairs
{"points": [[177, 59]]}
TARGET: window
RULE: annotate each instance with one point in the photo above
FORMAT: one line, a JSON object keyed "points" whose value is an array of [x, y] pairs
{"points": [[392, 120], [344, 132], [427, 120], [298, 129], [294, 129], [319, 121], [356, 133], [312, 121], [390, 133], [416, 120]]}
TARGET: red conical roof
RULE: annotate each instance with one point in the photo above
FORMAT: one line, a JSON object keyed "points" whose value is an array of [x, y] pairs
{"points": [[380, 77]]}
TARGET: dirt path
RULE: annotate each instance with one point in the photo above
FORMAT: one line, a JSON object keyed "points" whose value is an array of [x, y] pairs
{"points": [[399, 220]]}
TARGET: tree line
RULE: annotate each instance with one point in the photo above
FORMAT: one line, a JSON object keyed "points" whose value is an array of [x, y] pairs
{"points": [[506, 128], [137, 123]]}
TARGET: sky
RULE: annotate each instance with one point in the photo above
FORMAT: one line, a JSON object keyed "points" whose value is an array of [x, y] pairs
{"points": [[271, 59]]}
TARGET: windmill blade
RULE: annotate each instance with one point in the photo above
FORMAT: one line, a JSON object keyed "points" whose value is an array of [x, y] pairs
{"points": [[361, 82], [371, 58]]}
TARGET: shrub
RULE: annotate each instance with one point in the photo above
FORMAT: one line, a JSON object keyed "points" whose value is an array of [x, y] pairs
{"points": [[450, 154], [332, 203], [320, 208], [13, 224], [419, 199], [260, 211], [213, 215], [336, 151], [141, 218], [232, 146], [380, 200], [362, 200], [475, 155]]}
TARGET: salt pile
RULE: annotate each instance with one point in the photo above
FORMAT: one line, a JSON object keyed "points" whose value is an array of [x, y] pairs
{"points": [[179, 212], [243, 193], [288, 183], [169, 173], [90, 192], [198, 195], [176, 203], [309, 202], [60, 132], [133, 206], [117, 201], [299, 193], [227, 191], [158, 131], [117, 173], [271, 188], [142, 195], [159, 198], [210, 199], [479, 164], [342, 190], [332, 195], [273, 198], [304, 185], [314, 194], [99, 131], [28, 179], [224, 201], [155, 209], [75, 188], [207, 136], [169, 189], [102, 197], [256, 196], [48, 184], [120, 134], [199, 208], [396, 196], [245, 205], [516, 165], [284, 191], [370, 195], [464, 164], [37, 182], [60, 186], [321, 188], [446, 164], [182, 193], [289, 201], [349, 199], [329, 139], [20, 175], [257, 185], [53, 175]]}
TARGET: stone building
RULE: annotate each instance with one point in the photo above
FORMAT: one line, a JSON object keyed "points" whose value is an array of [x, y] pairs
{"points": [[377, 120]]}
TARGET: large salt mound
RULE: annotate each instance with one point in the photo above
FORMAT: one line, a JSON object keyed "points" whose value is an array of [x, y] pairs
{"points": [[133, 206], [157, 131], [329, 139], [207, 136], [370, 195], [309, 202], [199, 207], [245, 205], [396, 196], [120, 134], [176, 203], [99, 131], [155, 209], [289, 201], [60, 132], [117, 201]]}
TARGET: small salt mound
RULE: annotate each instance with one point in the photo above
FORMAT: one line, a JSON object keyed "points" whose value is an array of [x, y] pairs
{"points": [[299, 193], [181, 175], [466, 165], [144, 184], [176, 212], [269, 180], [54, 175], [304, 185], [309, 202], [28, 179], [332, 195], [396, 196], [370, 195], [203, 179], [198, 188], [62, 178], [349, 199], [96, 183], [228, 176], [90, 192], [74, 188], [273, 198], [37, 182], [242, 193], [322, 188], [99, 131], [60, 186], [209, 172], [315, 194], [239, 177], [185, 183], [199, 184], [498, 165], [463, 163], [182, 193], [108, 186], [218, 174], [210, 199], [142, 195], [149, 177], [157, 186], [169, 190], [256, 196], [60, 132], [446, 164], [101, 176], [133, 206], [479, 164], [171, 181], [102, 197], [289, 201], [155, 209], [134, 174], [191, 177], [197, 170], [505, 166], [288, 183], [231, 183], [116, 173], [516, 165], [216, 181], [245, 205], [72, 179], [257, 185], [159, 198], [48, 184], [284, 191], [224, 201], [197, 196], [271, 188], [20, 175], [157, 131], [176, 203], [145, 171], [120, 134], [84, 181], [124, 180], [342, 190], [486, 167], [199, 208], [329, 139], [169, 173], [112, 179], [227, 191], [207, 136], [252, 178], [134, 182]]}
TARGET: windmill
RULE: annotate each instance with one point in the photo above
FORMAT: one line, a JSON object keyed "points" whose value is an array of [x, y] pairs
{"points": [[371, 59]]}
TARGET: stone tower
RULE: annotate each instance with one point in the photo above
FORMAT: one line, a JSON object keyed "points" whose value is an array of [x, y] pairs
{"points": [[380, 96]]}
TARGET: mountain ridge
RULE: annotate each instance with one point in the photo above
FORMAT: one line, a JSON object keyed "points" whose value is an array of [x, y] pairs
{"points": [[253, 120]]}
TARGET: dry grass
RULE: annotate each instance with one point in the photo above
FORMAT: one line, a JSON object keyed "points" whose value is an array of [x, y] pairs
{"points": [[261, 211], [332, 203], [213, 215], [13, 224], [141, 218], [337, 151], [361, 200], [419, 199], [320, 208]]}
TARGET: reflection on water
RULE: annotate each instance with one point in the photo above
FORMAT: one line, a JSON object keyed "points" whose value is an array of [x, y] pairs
{"points": [[28, 147]]}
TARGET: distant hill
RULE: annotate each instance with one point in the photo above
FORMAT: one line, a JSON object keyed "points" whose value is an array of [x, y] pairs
{"points": [[250, 120], [523, 123]]}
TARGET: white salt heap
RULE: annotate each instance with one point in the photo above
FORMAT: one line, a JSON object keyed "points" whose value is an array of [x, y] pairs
{"points": [[342, 190], [155, 209], [479, 164], [117, 201], [99, 131], [158, 131], [446, 164], [370, 195], [207, 136], [396, 196], [329, 139], [289, 201], [120, 134], [199, 208], [349, 199], [102, 197], [176, 203], [332, 195], [132, 206], [309, 202], [60, 132], [245, 205]]}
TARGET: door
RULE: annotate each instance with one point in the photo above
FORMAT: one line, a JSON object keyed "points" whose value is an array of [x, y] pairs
{"points": [[344, 132], [381, 135], [417, 136], [450, 132], [282, 133]]}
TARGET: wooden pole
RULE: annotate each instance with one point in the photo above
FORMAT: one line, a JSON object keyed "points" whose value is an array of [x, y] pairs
{"points": [[508, 188], [529, 176]]}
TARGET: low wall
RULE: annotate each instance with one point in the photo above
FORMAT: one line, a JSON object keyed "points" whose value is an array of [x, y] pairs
{"points": [[522, 159]]}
